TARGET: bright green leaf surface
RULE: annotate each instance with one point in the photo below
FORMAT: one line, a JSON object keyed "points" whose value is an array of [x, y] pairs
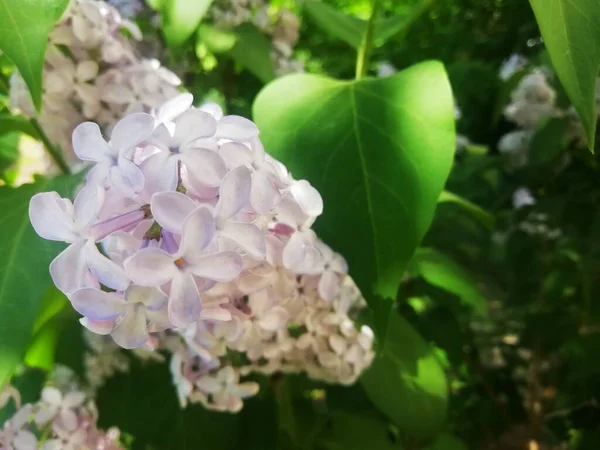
{"points": [[181, 18], [55, 310], [571, 32], [252, 50], [24, 276], [350, 29], [337, 24], [9, 149], [441, 271], [24, 34], [407, 383], [475, 211], [378, 151]]}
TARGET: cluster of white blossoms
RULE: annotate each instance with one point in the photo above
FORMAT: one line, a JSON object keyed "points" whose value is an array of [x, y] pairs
{"points": [[207, 237], [532, 102], [283, 29], [91, 72], [58, 421]]}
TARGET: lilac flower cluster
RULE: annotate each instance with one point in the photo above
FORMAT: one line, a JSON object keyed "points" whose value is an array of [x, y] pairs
{"points": [[58, 421], [92, 72], [206, 239]]}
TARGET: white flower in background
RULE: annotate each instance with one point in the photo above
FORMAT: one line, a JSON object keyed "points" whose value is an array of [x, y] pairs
{"points": [[65, 420], [208, 243], [514, 147], [386, 69], [283, 28], [99, 78], [522, 197], [532, 102], [512, 65]]}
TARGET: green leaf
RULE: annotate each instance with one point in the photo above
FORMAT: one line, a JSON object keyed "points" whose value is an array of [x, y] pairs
{"points": [[143, 403], [378, 151], [252, 50], [349, 431], [571, 32], [24, 34], [9, 149], [549, 140], [24, 276], [12, 123], [439, 270], [447, 442], [217, 40], [351, 29], [407, 383], [55, 312], [342, 26], [181, 18], [475, 211]]}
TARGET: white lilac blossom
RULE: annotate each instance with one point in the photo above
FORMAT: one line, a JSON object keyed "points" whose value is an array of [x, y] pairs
{"points": [[91, 72], [127, 8], [283, 29], [386, 69], [207, 252], [532, 102], [522, 197], [66, 420], [512, 65], [514, 147]]}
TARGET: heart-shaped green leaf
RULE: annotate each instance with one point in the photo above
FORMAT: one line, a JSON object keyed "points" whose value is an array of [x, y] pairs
{"points": [[378, 151], [571, 32], [24, 275], [24, 34], [407, 383], [181, 18]]}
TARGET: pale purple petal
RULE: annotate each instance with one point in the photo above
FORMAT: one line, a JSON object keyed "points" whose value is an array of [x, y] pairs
{"points": [[219, 314], [205, 167], [131, 130], [160, 173], [194, 124], [150, 297], [223, 266], [329, 285], [275, 319], [132, 332], [213, 109], [86, 206], [308, 198], [170, 209], [174, 107], [247, 236], [107, 272], [234, 192], [89, 145], [197, 232], [74, 399], [25, 440], [338, 263], [235, 154], [101, 327], [300, 255], [150, 267], [50, 218], [69, 270], [96, 304], [184, 301], [126, 177], [159, 319], [236, 128], [263, 194], [68, 419]]}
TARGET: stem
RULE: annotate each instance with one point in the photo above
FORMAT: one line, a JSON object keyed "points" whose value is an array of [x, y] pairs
{"points": [[54, 152], [364, 51]]}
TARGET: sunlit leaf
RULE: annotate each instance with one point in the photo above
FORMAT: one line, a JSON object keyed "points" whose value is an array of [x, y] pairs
{"points": [[378, 151], [180, 18], [571, 32], [24, 276], [24, 35], [407, 383]]}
